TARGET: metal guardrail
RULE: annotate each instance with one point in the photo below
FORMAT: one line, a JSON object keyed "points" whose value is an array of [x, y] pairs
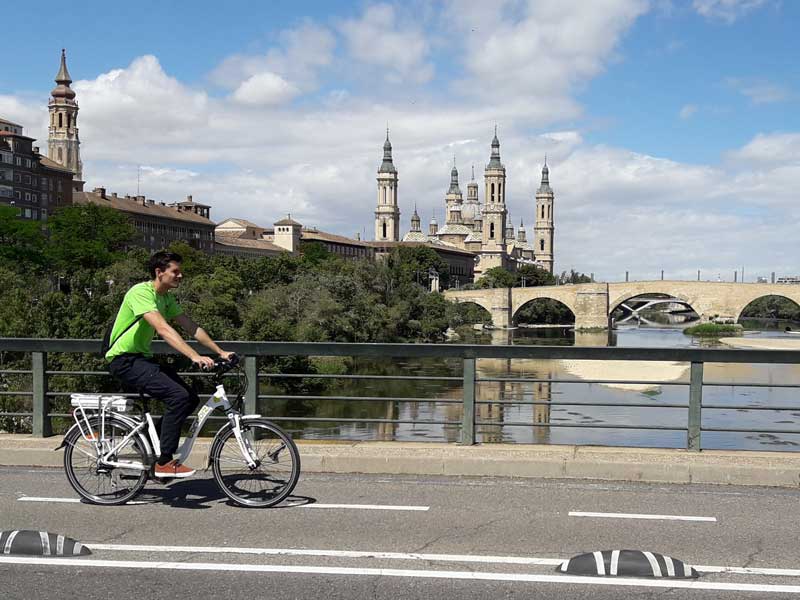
{"points": [[696, 357]]}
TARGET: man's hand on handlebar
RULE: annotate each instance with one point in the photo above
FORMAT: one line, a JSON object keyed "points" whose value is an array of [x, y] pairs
{"points": [[227, 355], [204, 362]]}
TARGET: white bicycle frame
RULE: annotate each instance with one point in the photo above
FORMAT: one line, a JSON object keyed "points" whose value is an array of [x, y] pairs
{"points": [[218, 400]]}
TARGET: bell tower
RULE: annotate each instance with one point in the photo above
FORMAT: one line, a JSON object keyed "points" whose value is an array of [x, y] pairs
{"points": [[63, 143], [544, 229], [387, 212], [493, 241]]}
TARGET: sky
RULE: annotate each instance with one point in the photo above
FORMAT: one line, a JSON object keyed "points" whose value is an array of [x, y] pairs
{"points": [[671, 127]]}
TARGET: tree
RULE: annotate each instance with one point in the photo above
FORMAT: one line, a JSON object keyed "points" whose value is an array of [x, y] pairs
{"points": [[497, 277], [22, 241], [534, 275], [573, 277], [88, 236]]}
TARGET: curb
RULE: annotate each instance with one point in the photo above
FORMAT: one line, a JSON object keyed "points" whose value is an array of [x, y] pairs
{"points": [[776, 469]]}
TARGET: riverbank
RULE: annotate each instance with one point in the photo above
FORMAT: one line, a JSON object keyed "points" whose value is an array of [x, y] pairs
{"points": [[780, 469], [762, 343]]}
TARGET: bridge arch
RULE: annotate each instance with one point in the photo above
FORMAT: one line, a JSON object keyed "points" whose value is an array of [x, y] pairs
{"points": [[552, 311], [742, 309], [666, 293], [631, 307], [482, 307]]}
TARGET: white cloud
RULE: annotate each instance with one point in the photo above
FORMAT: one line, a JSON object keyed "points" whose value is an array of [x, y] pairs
{"points": [[265, 89], [541, 49], [687, 111], [398, 50], [302, 53], [726, 10], [759, 91], [770, 149]]}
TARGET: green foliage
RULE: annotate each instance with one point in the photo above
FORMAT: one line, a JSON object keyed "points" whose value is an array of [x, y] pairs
{"points": [[498, 277], [527, 275], [87, 236], [545, 311], [21, 240], [573, 277], [772, 307], [713, 330]]}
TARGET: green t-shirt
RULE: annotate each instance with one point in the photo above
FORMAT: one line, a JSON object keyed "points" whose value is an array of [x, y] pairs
{"points": [[140, 299]]}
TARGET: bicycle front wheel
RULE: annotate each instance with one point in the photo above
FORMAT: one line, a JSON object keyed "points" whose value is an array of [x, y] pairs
{"points": [[275, 473], [99, 483]]}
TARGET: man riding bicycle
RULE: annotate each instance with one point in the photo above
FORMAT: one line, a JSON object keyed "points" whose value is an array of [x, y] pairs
{"points": [[147, 309]]}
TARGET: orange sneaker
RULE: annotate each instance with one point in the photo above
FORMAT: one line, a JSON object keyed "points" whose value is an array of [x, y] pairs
{"points": [[173, 469]]}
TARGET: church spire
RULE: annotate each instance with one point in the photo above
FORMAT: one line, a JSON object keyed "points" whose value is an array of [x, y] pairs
{"points": [[63, 79], [494, 159], [454, 189], [387, 166]]}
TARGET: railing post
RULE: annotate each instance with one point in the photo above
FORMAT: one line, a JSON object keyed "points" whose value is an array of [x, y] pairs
{"points": [[695, 406], [42, 427], [468, 415], [251, 395]]}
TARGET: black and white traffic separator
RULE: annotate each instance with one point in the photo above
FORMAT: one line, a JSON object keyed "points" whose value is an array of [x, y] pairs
{"points": [[40, 543], [627, 563]]}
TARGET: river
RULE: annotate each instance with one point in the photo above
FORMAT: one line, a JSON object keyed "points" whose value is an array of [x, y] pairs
{"points": [[503, 419]]}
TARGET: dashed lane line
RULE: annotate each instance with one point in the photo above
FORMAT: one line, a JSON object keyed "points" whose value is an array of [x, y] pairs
{"points": [[604, 515]]}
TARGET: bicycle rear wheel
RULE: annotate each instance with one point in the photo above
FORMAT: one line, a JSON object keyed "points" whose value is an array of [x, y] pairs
{"points": [[101, 484], [277, 464]]}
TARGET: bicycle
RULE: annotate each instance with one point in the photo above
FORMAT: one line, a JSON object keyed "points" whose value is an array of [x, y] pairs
{"points": [[110, 454]]}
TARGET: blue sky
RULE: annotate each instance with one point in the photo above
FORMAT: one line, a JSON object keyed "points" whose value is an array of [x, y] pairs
{"points": [[678, 117]]}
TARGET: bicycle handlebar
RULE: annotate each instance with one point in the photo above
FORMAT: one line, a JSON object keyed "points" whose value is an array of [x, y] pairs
{"points": [[222, 365]]}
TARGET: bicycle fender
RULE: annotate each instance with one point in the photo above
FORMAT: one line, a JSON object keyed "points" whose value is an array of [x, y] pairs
{"points": [[224, 429]]}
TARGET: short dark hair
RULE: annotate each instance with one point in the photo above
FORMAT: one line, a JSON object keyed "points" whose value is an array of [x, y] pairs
{"points": [[161, 260]]}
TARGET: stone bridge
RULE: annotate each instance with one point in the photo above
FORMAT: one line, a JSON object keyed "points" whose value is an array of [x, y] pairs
{"points": [[593, 303]]}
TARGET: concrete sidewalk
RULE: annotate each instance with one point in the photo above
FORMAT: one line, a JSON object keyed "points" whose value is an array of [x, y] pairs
{"points": [[780, 469]]}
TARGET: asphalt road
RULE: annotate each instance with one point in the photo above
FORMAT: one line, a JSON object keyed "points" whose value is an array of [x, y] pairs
{"points": [[444, 537]]}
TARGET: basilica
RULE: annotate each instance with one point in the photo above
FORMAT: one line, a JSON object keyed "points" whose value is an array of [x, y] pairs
{"points": [[482, 229]]}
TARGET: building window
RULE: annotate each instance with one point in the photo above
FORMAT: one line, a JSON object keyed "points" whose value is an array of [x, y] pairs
{"points": [[27, 196], [60, 152], [384, 229], [492, 196], [27, 179], [541, 245], [491, 229], [60, 122]]}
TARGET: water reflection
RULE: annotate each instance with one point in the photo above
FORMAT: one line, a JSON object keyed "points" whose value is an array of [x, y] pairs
{"points": [[556, 413]]}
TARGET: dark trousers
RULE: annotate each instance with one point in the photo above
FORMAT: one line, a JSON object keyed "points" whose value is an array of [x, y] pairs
{"points": [[162, 383]]}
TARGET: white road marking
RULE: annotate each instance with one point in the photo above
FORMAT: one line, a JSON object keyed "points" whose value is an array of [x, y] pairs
{"points": [[425, 574], [603, 515], [311, 505], [66, 500], [365, 506], [516, 560]]}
